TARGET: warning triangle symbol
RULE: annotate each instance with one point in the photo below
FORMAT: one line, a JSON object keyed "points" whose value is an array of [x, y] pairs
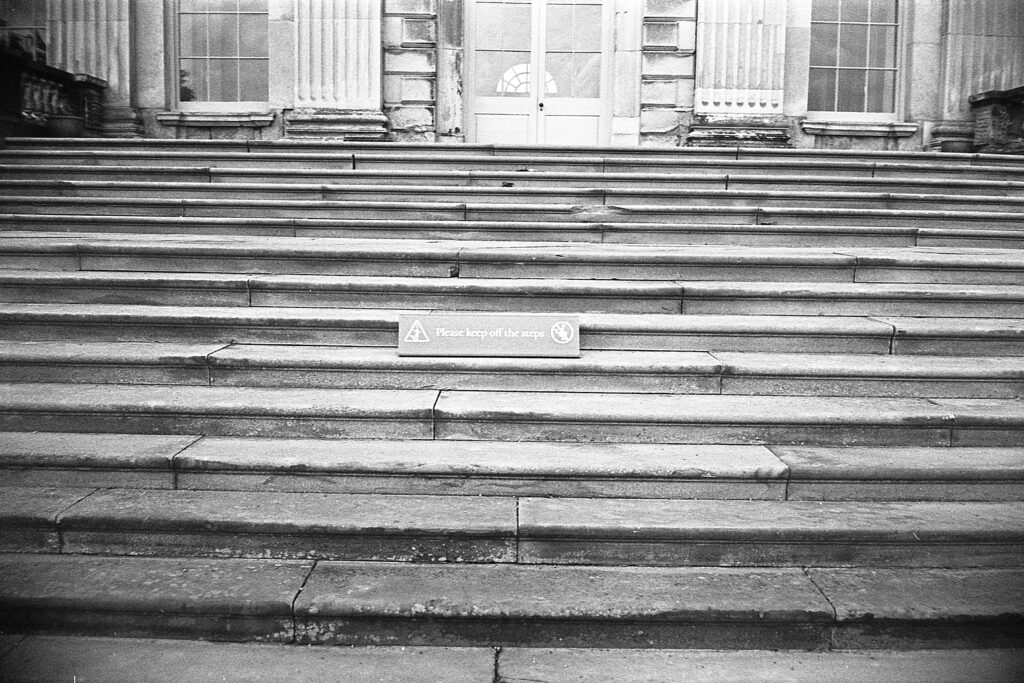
{"points": [[416, 334]]}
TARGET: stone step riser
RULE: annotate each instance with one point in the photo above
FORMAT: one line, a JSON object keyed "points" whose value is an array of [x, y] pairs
{"points": [[806, 215], [467, 529], [731, 180], [189, 372], [707, 198], [351, 603]]}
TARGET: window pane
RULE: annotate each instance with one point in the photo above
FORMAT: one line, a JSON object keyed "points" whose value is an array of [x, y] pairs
{"points": [[515, 28], [851, 90], [488, 24], [586, 81], [253, 34], [587, 28], [883, 11], [223, 80], [252, 5], [853, 45], [883, 47], [503, 74], [223, 35], [881, 91], [821, 93], [855, 10], [253, 80], [207, 5], [825, 10], [558, 34], [823, 44], [192, 35], [192, 81]]}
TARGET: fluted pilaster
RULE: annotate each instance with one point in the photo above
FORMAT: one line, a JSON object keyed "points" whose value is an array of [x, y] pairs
{"points": [[338, 69], [741, 48], [983, 49]]}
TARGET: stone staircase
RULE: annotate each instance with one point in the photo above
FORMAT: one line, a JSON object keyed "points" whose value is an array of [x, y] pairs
{"points": [[793, 444]]}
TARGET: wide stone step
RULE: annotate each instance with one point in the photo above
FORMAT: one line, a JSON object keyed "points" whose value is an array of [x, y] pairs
{"points": [[673, 372], [663, 418], [502, 294], [600, 195], [496, 468], [510, 416], [653, 332], [170, 661], [773, 235], [608, 531], [727, 178], [472, 259], [356, 603], [589, 212]]}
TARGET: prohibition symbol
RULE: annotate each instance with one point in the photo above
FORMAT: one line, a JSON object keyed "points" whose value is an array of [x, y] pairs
{"points": [[562, 332], [416, 334]]}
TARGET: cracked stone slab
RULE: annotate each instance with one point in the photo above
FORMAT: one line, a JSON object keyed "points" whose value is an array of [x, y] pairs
{"points": [[224, 599], [82, 459], [293, 526], [943, 608], [350, 603], [482, 468], [28, 517]]}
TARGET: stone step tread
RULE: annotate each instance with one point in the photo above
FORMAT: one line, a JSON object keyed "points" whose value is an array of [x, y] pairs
{"points": [[639, 362], [54, 658], [795, 290], [721, 173], [511, 468], [17, 145], [506, 604], [272, 512], [519, 251], [561, 232]]}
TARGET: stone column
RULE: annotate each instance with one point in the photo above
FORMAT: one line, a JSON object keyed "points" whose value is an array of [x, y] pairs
{"points": [[741, 52], [337, 70], [93, 38]]}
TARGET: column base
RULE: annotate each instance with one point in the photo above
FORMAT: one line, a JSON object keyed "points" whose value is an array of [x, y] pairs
{"points": [[121, 122], [952, 136], [336, 124]]}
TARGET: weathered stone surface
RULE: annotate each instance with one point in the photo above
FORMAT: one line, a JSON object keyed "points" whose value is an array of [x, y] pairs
{"points": [[982, 422], [924, 607], [293, 525], [903, 473], [346, 603], [76, 459], [965, 336], [225, 599], [482, 468], [171, 661], [126, 288], [28, 517], [238, 411], [691, 419], [769, 533], [668, 666]]}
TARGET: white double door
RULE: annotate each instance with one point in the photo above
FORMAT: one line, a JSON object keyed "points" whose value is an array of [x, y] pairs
{"points": [[537, 71]]}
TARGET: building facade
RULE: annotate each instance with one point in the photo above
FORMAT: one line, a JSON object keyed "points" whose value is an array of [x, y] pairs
{"points": [[860, 74]]}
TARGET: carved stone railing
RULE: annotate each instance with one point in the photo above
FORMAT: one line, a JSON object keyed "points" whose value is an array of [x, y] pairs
{"points": [[33, 95]]}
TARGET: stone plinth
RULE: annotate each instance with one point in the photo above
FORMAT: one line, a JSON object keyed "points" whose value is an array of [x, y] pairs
{"points": [[999, 121]]}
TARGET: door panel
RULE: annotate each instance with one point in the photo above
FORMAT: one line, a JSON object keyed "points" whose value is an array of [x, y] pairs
{"points": [[537, 71]]}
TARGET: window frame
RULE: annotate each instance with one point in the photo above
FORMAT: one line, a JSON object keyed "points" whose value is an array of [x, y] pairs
{"points": [[174, 79], [899, 78]]}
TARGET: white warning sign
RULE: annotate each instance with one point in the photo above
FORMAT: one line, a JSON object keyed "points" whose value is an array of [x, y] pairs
{"points": [[489, 334], [416, 334]]}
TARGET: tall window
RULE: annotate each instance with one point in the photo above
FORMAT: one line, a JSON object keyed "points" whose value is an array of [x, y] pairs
{"points": [[853, 56], [23, 28], [222, 51]]}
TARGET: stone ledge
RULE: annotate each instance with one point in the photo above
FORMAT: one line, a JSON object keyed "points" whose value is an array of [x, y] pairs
{"points": [[860, 129], [215, 119]]}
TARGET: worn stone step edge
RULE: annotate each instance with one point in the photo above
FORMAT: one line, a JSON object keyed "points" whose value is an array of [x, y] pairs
{"points": [[504, 604], [171, 661], [595, 371], [605, 531], [510, 468], [379, 327]]}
